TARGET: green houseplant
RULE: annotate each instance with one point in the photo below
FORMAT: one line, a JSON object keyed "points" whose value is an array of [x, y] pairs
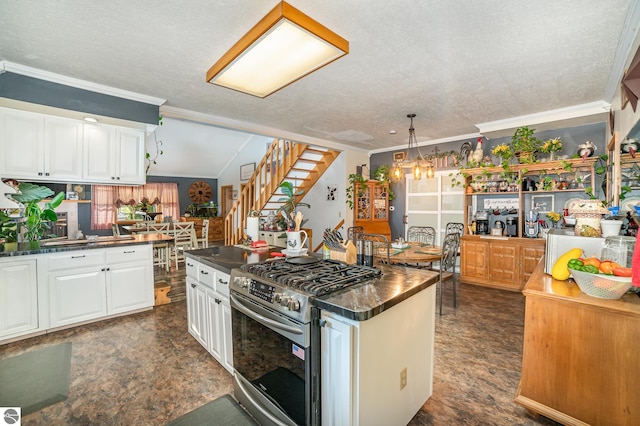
{"points": [[289, 206], [35, 223], [524, 145]]}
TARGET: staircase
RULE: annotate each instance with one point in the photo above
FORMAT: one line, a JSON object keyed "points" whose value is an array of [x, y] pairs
{"points": [[298, 163]]}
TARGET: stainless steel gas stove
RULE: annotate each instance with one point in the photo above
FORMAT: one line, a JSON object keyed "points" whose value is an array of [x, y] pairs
{"points": [[276, 336]]}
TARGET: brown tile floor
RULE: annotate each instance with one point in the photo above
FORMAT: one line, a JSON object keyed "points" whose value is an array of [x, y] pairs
{"points": [[145, 369]]}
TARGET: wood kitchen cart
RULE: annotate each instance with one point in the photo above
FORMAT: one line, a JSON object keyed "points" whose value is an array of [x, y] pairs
{"points": [[580, 355], [507, 262], [371, 207], [216, 226]]}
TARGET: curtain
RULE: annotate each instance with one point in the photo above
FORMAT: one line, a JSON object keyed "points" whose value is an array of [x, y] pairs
{"points": [[102, 207], [106, 199]]}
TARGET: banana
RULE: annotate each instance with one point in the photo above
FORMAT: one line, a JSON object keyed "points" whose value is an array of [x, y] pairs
{"points": [[560, 271]]}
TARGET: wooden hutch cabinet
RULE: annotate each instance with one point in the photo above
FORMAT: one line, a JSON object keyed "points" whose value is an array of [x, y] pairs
{"points": [[504, 261], [371, 207]]}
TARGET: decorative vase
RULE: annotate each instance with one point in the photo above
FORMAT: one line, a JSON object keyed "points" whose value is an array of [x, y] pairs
{"points": [[552, 156]]}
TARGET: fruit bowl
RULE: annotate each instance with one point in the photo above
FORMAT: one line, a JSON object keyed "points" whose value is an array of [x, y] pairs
{"points": [[600, 285]]}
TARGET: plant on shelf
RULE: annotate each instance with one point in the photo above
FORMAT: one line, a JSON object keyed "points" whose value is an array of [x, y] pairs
{"points": [[524, 145], [504, 154], [361, 182], [383, 175], [33, 226], [289, 209], [551, 146], [554, 218]]}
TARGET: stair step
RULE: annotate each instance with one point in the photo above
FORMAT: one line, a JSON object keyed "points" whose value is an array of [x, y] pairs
{"points": [[316, 151], [297, 169], [308, 160]]}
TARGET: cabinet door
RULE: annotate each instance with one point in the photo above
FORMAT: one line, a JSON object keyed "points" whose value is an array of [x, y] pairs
{"points": [[337, 367], [130, 156], [129, 288], [22, 143], [530, 258], [63, 149], [215, 325], [227, 354], [18, 297], [197, 312], [99, 153], [504, 264], [77, 296], [474, 256]]}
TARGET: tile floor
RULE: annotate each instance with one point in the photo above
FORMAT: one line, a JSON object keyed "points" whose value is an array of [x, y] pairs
{"points": [[145, 369]]}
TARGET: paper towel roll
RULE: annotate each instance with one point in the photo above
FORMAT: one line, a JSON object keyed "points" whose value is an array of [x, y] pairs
{"points": [[253, 228]]}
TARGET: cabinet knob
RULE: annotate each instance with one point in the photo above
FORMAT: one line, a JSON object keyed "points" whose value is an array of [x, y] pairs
{"points": [[204, 272], [46, 174], [193, 285], [113, 178], [118, 178], [189, 264], [222, 282], [39, 173]]}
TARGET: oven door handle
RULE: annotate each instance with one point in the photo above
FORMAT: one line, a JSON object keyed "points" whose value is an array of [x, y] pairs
{"points": [[257, 405], [263, 320]]}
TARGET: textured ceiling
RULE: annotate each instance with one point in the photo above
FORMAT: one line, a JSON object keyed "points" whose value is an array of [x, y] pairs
{"points": [[453, 63]]}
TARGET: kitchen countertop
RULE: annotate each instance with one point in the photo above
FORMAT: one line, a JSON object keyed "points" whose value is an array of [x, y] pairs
{"points": [[56, 246], [358, 303], [225, 258]]}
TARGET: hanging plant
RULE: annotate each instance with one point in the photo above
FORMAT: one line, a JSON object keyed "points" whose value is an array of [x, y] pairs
{"points": [[157, 151]]}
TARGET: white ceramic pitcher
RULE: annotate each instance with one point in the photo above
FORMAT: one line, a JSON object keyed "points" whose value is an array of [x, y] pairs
{"points": [[295, 241]]}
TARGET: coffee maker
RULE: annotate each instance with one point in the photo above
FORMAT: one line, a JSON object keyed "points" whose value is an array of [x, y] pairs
{"points": [[512, 226], [531, 224], [482, 222]]}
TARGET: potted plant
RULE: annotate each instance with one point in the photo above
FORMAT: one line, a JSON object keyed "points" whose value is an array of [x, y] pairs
{"points": [[35, 223], [524, 145], [551, 146], [289, 208]]}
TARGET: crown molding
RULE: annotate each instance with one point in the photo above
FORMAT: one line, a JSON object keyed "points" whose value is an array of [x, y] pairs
{"points": [[429, 143], [79, 84], [243, 126], [589, 113]]}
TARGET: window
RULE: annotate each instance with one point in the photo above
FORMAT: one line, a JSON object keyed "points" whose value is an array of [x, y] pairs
{"points": [[114, 203]]}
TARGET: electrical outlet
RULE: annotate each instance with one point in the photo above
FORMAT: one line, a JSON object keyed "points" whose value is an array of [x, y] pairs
{"points": [[403, 378]]}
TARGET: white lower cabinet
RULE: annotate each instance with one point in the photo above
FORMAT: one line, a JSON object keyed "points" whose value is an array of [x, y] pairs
{"points": [[90, 284], [362, 363], [209, 311], [18, 297]]}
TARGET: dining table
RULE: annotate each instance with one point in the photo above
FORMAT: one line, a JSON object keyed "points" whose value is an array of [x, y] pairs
{"points": [[134, 228], [411, 253]]}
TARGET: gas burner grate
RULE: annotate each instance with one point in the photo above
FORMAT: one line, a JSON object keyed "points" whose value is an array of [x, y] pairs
{"points": [[318, 278]]}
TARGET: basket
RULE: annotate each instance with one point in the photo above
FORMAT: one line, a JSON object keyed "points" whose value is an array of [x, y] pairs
{"points": [[601, 286]]}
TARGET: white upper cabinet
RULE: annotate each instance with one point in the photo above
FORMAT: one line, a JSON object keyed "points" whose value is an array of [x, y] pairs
{"points": [[39, 147], [113, 155]]}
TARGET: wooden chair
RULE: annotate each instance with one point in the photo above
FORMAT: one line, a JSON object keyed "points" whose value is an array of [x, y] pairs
{"points": [[353, 231], [184, 238], [450, 247], [161, 249], [203, 241]]}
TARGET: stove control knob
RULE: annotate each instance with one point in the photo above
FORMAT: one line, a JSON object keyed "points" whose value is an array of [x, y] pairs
{"points": [[283, 300], [277, 297], [242, 282], [293, 305]]}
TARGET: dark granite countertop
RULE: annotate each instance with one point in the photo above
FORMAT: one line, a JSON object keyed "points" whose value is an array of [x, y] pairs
{"points": [[367, 300], [57, 246], [225, 258], [358, 303]]}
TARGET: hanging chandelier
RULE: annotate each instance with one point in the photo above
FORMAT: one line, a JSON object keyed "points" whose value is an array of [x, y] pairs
{"points": [[413, 159]]}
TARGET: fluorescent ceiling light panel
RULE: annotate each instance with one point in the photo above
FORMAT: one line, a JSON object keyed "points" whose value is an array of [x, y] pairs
{"points": [[283, 47]]}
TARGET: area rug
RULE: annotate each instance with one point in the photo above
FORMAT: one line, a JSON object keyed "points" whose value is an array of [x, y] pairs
{"points": [[35, 379], [222, 411]]}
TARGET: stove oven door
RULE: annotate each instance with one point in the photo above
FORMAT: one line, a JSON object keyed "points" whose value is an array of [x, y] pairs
{"points": [[272, 362]]}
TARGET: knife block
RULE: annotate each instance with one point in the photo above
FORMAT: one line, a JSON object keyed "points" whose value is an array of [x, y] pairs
{"points": [[348, 255]]}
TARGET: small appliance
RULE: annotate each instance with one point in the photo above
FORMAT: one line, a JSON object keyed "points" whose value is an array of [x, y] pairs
{"points": [[482, 222], [512, 226], [531, 224]]}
